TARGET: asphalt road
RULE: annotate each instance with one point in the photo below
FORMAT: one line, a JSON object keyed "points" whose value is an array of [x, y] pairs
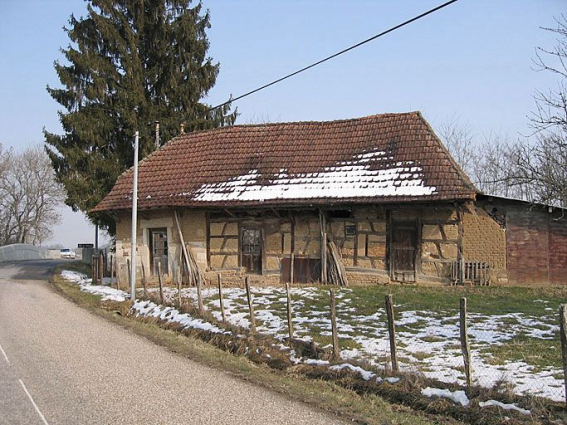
{"points": [[61, 365]]}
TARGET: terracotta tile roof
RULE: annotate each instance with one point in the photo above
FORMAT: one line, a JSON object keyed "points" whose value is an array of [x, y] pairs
{"points": [[377, 159]]}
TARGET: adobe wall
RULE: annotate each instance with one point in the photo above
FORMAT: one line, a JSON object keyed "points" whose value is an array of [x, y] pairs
{"points": [[484, 240], [439, 243]]}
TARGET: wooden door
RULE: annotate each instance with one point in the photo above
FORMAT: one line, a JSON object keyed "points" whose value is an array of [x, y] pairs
{"points": [[158, 250], [252, 250], [404, 251]]}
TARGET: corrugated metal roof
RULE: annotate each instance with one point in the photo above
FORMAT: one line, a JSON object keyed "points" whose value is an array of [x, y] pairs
{"points": [[377, 159]]}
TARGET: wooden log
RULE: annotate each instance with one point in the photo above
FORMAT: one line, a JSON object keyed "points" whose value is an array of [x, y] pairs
{"points": [[160, 283], [336, 349], [144, 283], [563, 336], [465, 347], [250, 305], [392, 331], [221, 301], [289, 314]]}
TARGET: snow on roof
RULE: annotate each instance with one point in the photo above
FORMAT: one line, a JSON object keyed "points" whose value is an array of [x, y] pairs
{"points": [[377, 159]]}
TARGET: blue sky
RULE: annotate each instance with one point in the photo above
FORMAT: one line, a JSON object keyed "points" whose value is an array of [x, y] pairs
{"points": [[471, 60]]}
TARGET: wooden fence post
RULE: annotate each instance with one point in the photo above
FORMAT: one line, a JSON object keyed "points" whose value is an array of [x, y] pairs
{"points": [[117, 270], [93, 271], [465, 347], [144, 280], [289, 314], [336, 349], [160, 283], [178, 277], [111, 270], [221, 299], [291, 264], [199, 297], [250, 305], [563, 335], [101, 266], [129, 274], [392, 331]]}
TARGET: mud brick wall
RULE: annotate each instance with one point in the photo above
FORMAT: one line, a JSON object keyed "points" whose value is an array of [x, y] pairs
{"points": [[235, 278], [484, 240], [307, 236], [439, 241], [278, 243], [361, 241], [193, 226], [223, 244]]}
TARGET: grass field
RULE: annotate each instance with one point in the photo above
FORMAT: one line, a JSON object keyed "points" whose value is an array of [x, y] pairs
{"points": [[513, 331]]}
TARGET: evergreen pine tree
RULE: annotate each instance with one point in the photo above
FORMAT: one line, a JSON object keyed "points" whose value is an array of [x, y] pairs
{"points": [[130, 63]]}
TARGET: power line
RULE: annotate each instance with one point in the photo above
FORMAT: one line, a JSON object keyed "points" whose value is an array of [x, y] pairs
{"points": [[435, 9]]}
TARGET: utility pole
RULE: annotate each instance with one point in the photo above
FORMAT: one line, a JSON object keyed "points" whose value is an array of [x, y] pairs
{"points": [[134, 220]]}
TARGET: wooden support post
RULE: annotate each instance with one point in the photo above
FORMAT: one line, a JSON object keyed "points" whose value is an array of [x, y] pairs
{"points": [[221, 301], [563, 336], [289, 314], [144, 283], [465, 347], [336, 349], [392, 331], [160, 283], [250, 305]]}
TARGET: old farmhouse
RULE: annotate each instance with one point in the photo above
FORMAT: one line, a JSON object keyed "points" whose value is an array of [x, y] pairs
{"points": [[377, 198]]}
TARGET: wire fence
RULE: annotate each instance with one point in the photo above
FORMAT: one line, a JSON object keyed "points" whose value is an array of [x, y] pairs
{"points": [[518, 352]]}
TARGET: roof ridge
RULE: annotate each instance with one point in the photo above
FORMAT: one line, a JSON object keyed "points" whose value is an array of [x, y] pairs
{"points": [[283, 123]]}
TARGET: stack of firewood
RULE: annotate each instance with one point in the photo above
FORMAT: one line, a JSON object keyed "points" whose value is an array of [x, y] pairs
{"points": [[336, 273]]}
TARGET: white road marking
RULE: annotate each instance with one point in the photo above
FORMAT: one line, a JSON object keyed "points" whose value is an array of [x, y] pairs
{"points": [[5, 356], [33, 402]]}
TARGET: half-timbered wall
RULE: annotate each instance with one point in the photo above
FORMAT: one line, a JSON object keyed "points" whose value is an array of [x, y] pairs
{"points": [[439, 241]]}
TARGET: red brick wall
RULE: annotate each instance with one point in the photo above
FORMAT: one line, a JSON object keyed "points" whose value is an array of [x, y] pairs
{"points": [[558, 250], [527, 243]]}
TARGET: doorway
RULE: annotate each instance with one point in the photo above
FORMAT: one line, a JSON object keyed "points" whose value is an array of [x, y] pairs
{"points": [[252, 249], [403, 251], [158, 250]]}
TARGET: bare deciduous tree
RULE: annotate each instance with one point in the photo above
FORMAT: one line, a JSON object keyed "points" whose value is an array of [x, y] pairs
{"points": [[486, 161], [542, 162], [29, 196]]}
